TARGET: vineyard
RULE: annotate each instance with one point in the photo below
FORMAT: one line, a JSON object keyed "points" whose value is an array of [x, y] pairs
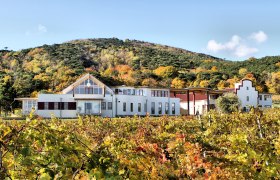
{"points": [[216, 146]]}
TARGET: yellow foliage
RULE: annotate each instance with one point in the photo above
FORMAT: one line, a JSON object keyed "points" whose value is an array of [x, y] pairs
{"points": [[35, 51], [223, 84], [123, 69], [214, 69], [7, 78], [178, 83], [242, 72], [273, 83], [165, 71], [251, 77], [204, 83], [260, 88], [34, 94], [109, 72], [149, 82], [232, 81], [200, 69]]}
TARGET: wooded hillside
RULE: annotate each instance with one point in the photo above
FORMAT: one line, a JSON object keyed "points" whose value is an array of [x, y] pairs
{"points": [[50, 68]]}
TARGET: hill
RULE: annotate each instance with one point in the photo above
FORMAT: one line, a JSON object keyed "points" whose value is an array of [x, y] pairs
{"points": [[50, 68]]}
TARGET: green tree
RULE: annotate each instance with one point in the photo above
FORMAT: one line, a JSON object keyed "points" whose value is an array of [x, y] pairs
{"points": [[228, 103], [7, 92]]}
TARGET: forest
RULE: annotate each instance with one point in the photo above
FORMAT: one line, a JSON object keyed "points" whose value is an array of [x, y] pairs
{"points": [[50, 68]]}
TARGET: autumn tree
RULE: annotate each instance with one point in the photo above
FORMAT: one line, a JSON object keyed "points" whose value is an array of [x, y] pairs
{"points": [[242, 72], [228, 103], [165, 71], [273, 82], [178, 83], [149, 82], [7, 92]]}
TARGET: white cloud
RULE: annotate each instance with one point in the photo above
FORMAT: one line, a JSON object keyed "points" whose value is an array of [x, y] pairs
{"points": [[243, 51], [230, 45], [238, 46], [258, 36], [41, 28]]}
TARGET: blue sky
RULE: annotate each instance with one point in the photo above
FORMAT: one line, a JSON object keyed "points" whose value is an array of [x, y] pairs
{"points": [[234, 30]]}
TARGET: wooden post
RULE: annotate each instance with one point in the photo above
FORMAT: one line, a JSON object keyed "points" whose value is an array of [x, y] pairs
{"points": [[188, 96], [193, 103], [208, 101]]}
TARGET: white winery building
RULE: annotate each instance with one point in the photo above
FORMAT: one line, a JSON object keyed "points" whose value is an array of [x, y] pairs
{"points": [[250, 97], [89, 96]]}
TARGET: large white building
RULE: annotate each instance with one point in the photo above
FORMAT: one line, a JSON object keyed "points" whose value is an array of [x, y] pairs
{"points": [[89, 96]]}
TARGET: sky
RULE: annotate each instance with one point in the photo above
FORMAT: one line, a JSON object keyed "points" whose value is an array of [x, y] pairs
{"points": [[232, 30]]}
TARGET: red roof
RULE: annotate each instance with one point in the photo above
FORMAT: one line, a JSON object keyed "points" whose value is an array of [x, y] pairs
{"points": [[230, 89], [184, 97]]}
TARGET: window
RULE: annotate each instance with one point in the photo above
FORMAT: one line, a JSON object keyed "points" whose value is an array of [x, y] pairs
{"points": [[124, 107], [166, 108], [139, 107], [145, 107], [125, 92], [247, 98], [139, 92], [260, 97], [247, 88], [88, 87], [173, 108], [88, 108], [95, 90], [65, 105], [89, 90], [72, 105], [153, 108], [103, 105], [131, 107], [159, 108], [46, 105], [266, 97], [56, 106], [159, 93], [129, 92], [110, 105]]}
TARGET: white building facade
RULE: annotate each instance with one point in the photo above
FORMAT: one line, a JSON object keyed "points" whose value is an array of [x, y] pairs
{"points": [[89, 96], [250, 97]]}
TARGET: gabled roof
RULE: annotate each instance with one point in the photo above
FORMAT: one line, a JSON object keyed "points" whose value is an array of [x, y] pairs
{"points": [[241, 85], [84, 78]]}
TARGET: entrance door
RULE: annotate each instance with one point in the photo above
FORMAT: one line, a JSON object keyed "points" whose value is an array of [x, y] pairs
{"points": [[88, 108]]}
